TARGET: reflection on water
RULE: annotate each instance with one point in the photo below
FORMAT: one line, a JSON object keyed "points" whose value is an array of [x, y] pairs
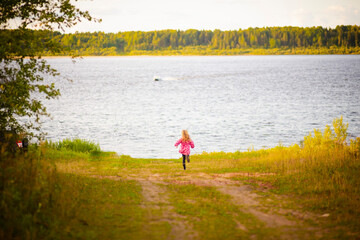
{"points": [[226, 103]]}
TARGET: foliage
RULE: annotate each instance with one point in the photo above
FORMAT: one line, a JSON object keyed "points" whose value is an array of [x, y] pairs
{"points": [[43, 13], [76, 145], [20, 80], [28, 194], [269, 40], [39, 202], [22, 71], [321, 172], [320, 175], [204, 50], [94, 201]]}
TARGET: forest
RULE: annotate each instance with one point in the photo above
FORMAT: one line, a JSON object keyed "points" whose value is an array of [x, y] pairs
{"points": [[267, 40]]}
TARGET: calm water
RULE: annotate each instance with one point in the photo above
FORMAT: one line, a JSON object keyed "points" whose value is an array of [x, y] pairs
{"points": [[226, 103]]}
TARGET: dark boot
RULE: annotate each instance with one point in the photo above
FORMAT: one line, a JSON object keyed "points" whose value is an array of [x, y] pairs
{"points": [[184, 166]]}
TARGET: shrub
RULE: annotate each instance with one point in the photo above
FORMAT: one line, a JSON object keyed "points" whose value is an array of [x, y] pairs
{"points": [[27, 192]]}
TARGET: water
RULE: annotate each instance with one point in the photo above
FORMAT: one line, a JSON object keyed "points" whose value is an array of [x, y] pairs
{"points": [[227, 103]]}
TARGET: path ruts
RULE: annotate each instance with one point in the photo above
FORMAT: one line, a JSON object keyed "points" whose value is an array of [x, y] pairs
{"points": [[159, 210], [161, 221]]}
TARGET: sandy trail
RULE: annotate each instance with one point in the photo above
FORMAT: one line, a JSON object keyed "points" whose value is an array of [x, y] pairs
{"points": [[158, 208], [155, 198], [288, 223], [244, 196]]}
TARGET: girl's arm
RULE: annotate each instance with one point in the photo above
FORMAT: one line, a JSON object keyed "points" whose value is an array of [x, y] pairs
{"points": [[192, 144], [178, 142]]}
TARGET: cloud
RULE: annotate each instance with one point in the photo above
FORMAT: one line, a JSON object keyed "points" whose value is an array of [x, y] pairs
{"points": [[148, 15], [302, 17], [340, 15], [336, 8], [100, 8], [239, 1]]}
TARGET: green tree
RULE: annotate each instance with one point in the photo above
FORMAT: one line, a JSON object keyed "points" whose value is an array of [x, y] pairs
{"points": [[99, 43], [22, 71], [272, 43]]}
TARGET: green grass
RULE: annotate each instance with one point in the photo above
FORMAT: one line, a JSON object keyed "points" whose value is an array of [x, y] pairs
{"points": [[76, 145], [28, 190], [212, 213], [73, 190], [105, 209], [39, 202], [321, 175]]}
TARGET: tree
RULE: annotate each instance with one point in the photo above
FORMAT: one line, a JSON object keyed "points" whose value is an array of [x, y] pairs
{"points": [[22, 71]]}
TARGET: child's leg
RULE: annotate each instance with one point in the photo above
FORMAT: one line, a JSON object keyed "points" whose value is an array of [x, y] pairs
{"points": [[184, 157], [188, 158]]}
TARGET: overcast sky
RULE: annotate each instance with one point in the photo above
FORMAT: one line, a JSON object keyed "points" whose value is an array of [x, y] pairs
{"points": [[147, 15]]}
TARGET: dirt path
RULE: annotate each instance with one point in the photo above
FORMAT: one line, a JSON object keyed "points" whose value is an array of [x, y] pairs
{"points": [[159, 210], [163, 222], [288, 223]]}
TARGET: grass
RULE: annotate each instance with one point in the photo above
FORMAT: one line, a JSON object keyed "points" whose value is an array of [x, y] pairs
{"points": [[322, 174], [27, 193], [105, 209], [72, 189], [38, 202], [75, 145], [212, 213]]}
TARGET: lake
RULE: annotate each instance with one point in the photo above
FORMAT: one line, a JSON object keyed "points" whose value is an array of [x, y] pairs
{"points": [[227, 103]]}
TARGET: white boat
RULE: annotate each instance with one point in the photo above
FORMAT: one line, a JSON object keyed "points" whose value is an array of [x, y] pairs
{"points": [[165, 78]]}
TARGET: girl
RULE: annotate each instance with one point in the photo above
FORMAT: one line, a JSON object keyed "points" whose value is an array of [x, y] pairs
{"points": [[186, 143]]}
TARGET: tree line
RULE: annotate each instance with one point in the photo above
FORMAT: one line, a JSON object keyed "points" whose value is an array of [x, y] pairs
{"points": [[100, 43]]}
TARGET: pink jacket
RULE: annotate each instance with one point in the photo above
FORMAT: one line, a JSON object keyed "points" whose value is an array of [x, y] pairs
{"points": [[185, 146]]}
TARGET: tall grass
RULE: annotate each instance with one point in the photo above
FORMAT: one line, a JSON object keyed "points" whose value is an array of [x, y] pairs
{"points": [[323, 171], [76, 145], [28, 192], [39, 202], [36, 202], [32, 200]]}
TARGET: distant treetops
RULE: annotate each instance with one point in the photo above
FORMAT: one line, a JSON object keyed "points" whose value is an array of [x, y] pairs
{"points": [[100, 43]]}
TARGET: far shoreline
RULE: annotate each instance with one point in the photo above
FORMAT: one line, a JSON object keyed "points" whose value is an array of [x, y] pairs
{"points": [[194, 55]]}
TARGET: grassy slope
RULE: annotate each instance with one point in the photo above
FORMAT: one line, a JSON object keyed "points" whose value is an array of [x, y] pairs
{"points": [[308, 192], [195, 195]]}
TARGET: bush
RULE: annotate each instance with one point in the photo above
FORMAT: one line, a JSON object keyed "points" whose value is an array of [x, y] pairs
{"points": [[27, 192]]}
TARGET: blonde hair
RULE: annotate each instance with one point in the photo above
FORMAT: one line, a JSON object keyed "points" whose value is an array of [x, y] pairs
{"points": [[185, 136]]}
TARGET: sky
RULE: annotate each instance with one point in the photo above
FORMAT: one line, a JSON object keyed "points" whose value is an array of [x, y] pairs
{"points": [[148, 15]]}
